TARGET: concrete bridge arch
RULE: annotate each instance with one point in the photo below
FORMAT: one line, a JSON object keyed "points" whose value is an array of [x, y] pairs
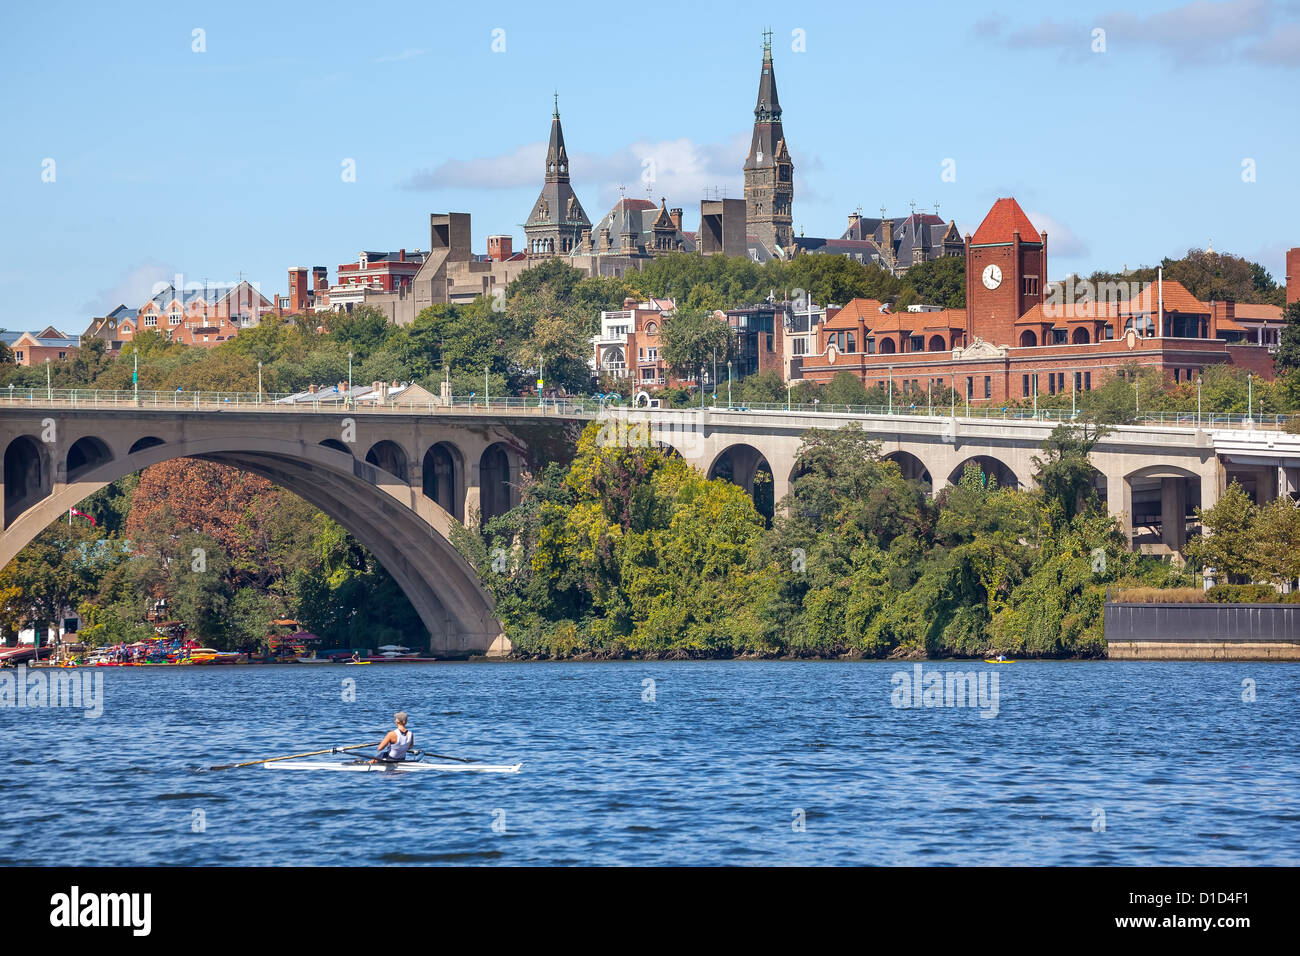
{"points": [[382, 502]]}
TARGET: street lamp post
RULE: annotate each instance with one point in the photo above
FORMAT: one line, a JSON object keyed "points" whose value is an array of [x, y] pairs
{"points": [[701, 387], [348, 402], [49, 390], [259, 383], [1198, 401], [1074, 408], [1250, 399], [929, 396], [891, 389], [135, 374], [788, 385], [728, 384], [487, 397]]}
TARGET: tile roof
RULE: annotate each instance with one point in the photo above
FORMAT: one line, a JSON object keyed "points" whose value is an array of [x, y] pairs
{"points": [[1259, 313], [1175, 296], [865, 310], [1003, 221]]}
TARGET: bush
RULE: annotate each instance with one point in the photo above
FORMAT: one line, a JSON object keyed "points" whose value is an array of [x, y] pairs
{"points": [[1161, 596], [1243, 594]]}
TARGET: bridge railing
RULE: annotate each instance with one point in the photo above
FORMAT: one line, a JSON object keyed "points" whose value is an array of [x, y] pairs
{"points": [[332, 401]]}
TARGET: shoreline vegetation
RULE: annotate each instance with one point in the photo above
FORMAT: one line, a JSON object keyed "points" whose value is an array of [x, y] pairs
{"points": [[630, 553]]}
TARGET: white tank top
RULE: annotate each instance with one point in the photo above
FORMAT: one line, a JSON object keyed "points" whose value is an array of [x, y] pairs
{"points": [[398, 750]]}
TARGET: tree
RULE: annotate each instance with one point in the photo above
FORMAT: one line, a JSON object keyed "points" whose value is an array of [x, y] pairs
{"points": [[940, 281], [694, 340], [1275, 551], [1064, 474], [1227, 541], [846, 389], [1287, 358]]}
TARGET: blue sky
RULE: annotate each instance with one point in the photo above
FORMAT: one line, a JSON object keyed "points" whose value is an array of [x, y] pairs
{"points": [[226, 162]]}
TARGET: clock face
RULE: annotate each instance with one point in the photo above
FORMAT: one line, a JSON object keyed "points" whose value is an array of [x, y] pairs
{"points": [[992, 277]]}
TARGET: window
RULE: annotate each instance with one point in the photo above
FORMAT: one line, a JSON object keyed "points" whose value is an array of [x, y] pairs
{"points": [[63, 355], [1059, 337], [799, 347], [653, 355], [988, 386], [970, 388], [151, 320], [1087, 381], [853, 346], [1051, 383], [175, 318], [18, 356], [871, 346], [1024, 386], [1078, 381]]}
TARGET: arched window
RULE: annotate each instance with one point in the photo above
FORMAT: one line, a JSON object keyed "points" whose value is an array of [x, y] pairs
{"points": [[1028, 339]]}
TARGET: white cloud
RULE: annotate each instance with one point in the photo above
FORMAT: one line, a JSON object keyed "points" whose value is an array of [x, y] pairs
{"points": [[678, 169], [1061, 240], [1281, 48], [132, 290], [1196, 32]]}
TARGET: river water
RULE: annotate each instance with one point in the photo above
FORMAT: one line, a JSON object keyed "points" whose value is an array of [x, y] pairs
{"points": [[668, 763]]}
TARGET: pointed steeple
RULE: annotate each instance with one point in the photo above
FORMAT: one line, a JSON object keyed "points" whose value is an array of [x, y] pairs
{"points": [[557, 159], [768, 108], [557, 223], [769, 169]]}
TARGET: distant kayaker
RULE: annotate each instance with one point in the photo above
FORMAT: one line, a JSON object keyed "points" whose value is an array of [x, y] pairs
{"points": [[395, 746], [356, 657]]}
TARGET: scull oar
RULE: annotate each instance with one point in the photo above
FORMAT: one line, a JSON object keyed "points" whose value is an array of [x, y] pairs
{"points": [[310, 753], [430, 753]]}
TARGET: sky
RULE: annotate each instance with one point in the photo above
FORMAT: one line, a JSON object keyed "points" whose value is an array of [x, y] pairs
{"points": [[220, 141]]}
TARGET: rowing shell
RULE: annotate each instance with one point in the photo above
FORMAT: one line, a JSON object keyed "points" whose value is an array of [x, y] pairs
{"points": [[406, 767]]}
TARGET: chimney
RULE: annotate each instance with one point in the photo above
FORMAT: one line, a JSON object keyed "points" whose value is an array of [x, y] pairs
{"points": [[1293, 275], [401, 255], [320, 278], [676, 216], [854, 219]]}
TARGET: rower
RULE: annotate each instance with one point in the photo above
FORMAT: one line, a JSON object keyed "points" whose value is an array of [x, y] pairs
{"points": [[393, 748]]}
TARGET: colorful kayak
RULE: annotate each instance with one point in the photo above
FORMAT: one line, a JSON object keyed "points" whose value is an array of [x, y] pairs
{"points": [[408, 766], [987, 661]]}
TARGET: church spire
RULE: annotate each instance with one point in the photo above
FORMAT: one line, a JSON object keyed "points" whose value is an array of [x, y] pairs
{"points": [[557, 158], [768, 108], [769, 170]]}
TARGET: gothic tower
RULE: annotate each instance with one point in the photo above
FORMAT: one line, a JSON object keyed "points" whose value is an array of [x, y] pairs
{"points": [[769, 171], [556, 224]]}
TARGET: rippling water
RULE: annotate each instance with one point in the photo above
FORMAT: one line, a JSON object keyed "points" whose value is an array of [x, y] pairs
{"points": [[719, 768]]}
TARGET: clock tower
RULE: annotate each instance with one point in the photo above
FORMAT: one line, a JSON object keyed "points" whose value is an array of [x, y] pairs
{"points": [[1006, 274], [769, 171]]}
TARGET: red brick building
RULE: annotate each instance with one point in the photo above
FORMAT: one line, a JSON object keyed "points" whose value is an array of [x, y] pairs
{"points": [[204, 316], [1014, 339]]}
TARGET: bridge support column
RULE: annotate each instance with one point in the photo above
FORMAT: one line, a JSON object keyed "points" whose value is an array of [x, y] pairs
{"points": [[1119, 502], [1212, 483], [1173, 512]]}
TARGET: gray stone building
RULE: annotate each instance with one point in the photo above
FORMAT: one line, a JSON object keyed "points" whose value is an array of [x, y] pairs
{"points": [[557, 223], [769, 171]]}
